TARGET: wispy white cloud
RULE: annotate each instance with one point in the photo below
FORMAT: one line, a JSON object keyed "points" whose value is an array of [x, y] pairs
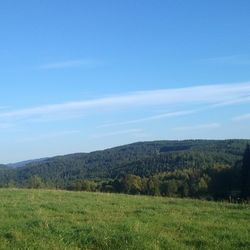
{"points": [[198, 127], [120, 132], [49, 135], [69, 64], [5, 125], [55, 117], [233, 59], [150, 118], [197, 95], [239, 100], [4, 107], [243, 117]]}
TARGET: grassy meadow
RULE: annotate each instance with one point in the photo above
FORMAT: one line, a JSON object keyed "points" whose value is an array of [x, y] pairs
{"points": [[51, 219]]}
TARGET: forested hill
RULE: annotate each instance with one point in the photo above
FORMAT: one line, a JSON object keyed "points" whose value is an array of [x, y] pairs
{"points": [[3, 167], [143, 159], [24, 163]]}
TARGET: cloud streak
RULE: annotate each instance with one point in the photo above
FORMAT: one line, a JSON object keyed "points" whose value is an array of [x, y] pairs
{"points": [[5, 125], [50, 135], [120, 132], [151, 118], [241, 117], [234, 59], [198, 127], [69, 64], [225, 94], [4, 107]]}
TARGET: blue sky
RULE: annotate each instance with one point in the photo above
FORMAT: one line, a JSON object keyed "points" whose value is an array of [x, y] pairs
{"points": [[78, 76]]}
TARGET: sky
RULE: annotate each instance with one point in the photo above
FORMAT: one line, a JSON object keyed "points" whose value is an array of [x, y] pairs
{"points": [[78, 76]]}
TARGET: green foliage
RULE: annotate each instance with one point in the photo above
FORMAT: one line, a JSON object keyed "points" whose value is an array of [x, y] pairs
{"points": [[245, 174], [169, 188], [194, 168], [131, 184], [84, 185], [35, 182], [42, 219], [141, 159], [153, 186]]}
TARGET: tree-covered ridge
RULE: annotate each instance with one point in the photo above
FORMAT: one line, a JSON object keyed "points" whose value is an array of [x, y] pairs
{"points": [[145, 158], [184, 168], [3, 166]]}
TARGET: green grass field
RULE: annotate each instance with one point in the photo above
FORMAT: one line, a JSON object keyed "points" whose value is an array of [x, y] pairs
{"points": [[43, 219]]}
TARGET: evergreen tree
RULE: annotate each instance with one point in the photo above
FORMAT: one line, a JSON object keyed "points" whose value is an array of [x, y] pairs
{"points": [[245, 174]]}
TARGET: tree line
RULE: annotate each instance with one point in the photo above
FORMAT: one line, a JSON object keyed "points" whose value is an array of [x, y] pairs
{"points": [[200, 169], [216, 183]]}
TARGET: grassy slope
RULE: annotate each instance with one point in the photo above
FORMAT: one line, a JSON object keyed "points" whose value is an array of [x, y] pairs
{"points": [[41, 219]]}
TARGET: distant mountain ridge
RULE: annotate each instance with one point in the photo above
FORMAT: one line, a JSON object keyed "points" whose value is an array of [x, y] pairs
{"points": [[141, 158], [24, 163], [2, 166]]}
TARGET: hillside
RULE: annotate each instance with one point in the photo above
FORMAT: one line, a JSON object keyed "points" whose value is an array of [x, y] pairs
{"points": [[198, 162], [3, 166], [41, 219], [139, 158], [24, 163]]}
